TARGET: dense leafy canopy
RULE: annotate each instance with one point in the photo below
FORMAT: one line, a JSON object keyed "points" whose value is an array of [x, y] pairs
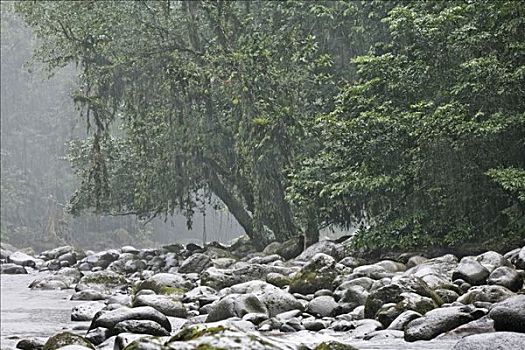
{"points": [[429, 145], [405, 117]]}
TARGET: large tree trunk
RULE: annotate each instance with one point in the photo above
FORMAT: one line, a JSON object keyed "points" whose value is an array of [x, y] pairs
{"points": [[239, 212], [311, 232]]}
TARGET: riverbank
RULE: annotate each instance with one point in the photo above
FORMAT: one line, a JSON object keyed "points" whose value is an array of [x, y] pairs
{"points": [[219, 297]]}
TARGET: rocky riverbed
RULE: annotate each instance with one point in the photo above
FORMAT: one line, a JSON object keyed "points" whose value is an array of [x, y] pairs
{"points": [[231, 297]]}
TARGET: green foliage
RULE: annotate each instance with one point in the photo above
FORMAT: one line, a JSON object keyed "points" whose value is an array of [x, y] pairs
{"points": [[185, 99], [408, 147], [403, 118]]}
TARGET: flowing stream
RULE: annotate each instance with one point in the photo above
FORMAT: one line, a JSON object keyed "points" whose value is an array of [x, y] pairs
{"points": [[27, 313], [30, 313]]}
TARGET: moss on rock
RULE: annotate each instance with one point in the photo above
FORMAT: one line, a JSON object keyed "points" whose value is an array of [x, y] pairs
{"points": [[66, 338]]}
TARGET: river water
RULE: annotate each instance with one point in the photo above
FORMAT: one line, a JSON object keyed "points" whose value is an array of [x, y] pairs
{"points": [[27, 313], [30, 313]]}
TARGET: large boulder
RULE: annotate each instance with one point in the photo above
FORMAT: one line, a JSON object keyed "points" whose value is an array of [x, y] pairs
{"points": [[334, 249], [373, 271], [288, 249], [222, 278], [57, 252], [506, 277], [486, 293], [88, 295], [103, 259], [196, 263], [12, 269], [400, 322], [471, 271], [441, 267], [202, 294], [22, 259], [491, 341], [397, 292], [318, 273], [166, 283], [439, 321], [492, 260], [212, 336], [30, 344], [66, 338], [275, 299], [109, 319], [86, 311], [105, 281], [140, 327], [411, 301], [509, 315], [165, 304], [62, 279], [235, 305], [322, 306]]}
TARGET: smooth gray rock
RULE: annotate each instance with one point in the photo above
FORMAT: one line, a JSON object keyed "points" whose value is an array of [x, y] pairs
{"points": [[318, 273], [140, 327], [391, 266], [22, 259], [485, 293], [506, 277], [322, 306], [202, 294], [57, 252], [63, 339], [441, 267], [492, 260], [98, 335], [62, 279], [288, 249], [415, 260], [275, 299], [492, 341], [400, 322], [352, 262], [394, 293], [353, 294], [411, 301], [129, 249], [111, 318], [471, 271], [438, 321], [195, 263], [481, 325], [166, 283], [509, 315], [88, 295], [372, 271], [103, 259], [86, 311], [222, 278], [105, 281], [236, 305], [334, 249], [165, 304], [12, 269], [313, 324], [30, 344], [384, 334]]}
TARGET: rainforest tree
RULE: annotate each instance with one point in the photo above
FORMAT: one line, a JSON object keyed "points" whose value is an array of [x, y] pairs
{"points": [[185, 99], [428, 146]]}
